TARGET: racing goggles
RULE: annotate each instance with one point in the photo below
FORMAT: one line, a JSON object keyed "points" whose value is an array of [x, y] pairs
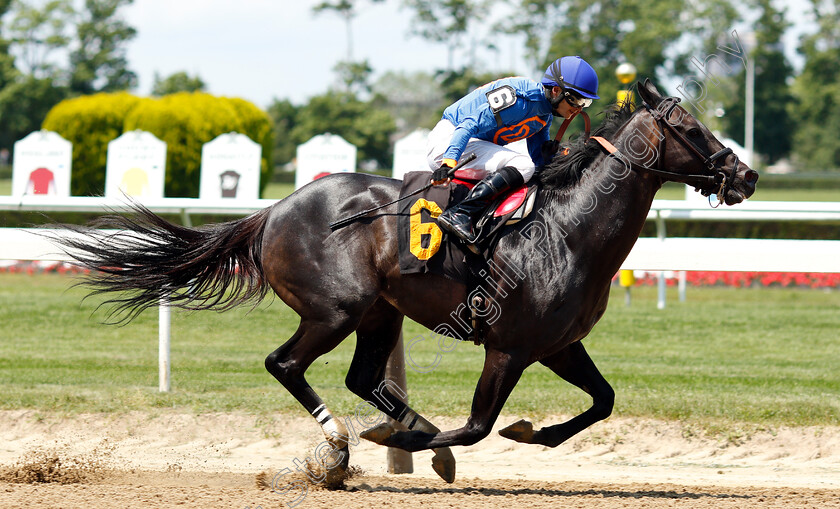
{"points": [[577, 101]]}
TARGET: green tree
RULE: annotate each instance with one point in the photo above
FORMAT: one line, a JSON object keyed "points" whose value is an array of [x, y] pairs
{"points": [[23, 106], [8, 71], [177, 82], [98, 61], [448, 22], [38, 31], [26, 97], [659, 37], [457, 83], [366, 127], [413, 99], [773, 129], [354, 76], [283, 116], [33, 32], [816, 110]]}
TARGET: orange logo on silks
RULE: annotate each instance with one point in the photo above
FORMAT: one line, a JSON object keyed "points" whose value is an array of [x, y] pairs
{"points": [[518, 131]]}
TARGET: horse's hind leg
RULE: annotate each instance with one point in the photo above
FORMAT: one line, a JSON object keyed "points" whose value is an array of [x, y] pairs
{"points": [[376, 336], [288, 364], [575, 366]]}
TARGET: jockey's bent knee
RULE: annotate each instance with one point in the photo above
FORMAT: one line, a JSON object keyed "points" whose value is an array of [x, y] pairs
{"points": [[522, 164], [512, 176]]}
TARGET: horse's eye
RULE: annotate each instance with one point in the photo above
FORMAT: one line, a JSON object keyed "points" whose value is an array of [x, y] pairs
{"points": [[695, 132]]}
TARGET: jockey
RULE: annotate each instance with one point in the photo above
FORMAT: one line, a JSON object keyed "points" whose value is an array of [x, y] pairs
{"points": [[498, 113]]}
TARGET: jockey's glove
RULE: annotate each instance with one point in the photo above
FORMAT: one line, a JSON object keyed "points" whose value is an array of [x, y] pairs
{"points": [[441, 174]]}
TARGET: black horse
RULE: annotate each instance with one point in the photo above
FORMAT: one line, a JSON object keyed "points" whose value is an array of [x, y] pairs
{"points": [[549, 277]]}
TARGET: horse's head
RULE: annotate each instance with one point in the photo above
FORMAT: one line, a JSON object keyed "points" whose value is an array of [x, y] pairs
{"points": [[690, 153]]}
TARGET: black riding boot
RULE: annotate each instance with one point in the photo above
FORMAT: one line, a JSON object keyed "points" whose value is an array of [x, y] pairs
{"points": [[458, 220]]}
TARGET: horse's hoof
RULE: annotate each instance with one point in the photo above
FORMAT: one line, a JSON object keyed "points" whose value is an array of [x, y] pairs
{"points": [[520, 431], [378, 434], [335, 476], [341, 456], [443, 463]]}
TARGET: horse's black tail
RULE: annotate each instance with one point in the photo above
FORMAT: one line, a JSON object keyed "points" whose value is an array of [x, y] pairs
{"points": [[147, 259]]}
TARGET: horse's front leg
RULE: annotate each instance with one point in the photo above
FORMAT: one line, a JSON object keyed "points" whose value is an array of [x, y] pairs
{"points": [[573, 365], [499, 376]]}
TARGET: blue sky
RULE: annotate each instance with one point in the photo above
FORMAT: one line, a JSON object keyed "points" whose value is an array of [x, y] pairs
{"points": [[265, 49]]}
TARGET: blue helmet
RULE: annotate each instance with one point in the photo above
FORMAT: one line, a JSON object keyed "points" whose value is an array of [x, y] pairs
{"points": [[573, 73]]}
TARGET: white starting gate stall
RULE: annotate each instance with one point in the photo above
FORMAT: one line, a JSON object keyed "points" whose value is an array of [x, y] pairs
{"points": [[41, 167], [135, 166], [230, 168], [410, 153], [322, 155]]}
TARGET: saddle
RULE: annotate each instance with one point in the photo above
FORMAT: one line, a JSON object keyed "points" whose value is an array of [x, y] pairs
{"points": [[509, 208], [424, 247]]}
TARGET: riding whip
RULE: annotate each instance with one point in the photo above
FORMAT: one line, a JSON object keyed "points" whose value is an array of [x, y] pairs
{"points": [[347, 220]]}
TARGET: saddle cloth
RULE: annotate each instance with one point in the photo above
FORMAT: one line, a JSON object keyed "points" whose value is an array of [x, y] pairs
{"points": [[425, 248]]}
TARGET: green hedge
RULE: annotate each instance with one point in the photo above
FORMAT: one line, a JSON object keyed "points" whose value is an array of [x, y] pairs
{"points": [[185, 121], [90, 123]]}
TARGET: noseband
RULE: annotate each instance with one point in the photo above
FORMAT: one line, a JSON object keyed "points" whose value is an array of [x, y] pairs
{"points": [[718, 180]]}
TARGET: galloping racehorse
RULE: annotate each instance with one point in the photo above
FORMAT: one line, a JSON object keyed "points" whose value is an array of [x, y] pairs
{"points": [[590, 211]]}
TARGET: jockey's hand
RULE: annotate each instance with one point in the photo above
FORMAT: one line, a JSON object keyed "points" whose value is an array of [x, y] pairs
{"points": [[441, 175]]}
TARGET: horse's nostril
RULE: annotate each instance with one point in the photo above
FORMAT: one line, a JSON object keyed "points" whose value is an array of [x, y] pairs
{"points": [[751, 177]]}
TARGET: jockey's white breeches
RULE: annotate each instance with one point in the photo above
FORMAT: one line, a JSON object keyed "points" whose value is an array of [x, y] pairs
{"points": [[489, 157]]}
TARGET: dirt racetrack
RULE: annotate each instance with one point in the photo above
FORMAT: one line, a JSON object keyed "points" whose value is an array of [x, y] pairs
{"points": [[223, 460]]}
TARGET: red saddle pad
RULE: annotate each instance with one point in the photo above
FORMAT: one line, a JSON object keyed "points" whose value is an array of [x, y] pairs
{"points": [[511, 202]]}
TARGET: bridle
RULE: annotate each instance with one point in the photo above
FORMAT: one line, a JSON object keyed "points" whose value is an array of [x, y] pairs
{"points": [[718, 180]]}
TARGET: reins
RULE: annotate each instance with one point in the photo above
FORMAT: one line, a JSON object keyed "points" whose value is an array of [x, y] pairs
{"points": [[586, 126]]}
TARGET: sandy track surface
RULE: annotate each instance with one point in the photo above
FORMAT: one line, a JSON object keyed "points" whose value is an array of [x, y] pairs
{"points": [[155, 490], [175, 460]]}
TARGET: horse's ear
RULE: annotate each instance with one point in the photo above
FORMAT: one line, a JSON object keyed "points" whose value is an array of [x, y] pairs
{"points": [[648, 92]]}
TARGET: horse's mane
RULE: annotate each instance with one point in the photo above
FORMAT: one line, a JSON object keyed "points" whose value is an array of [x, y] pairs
{"points": [[566, 170]]}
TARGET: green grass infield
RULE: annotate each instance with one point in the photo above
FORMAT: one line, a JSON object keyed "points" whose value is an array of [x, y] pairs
{"points": [[764, 357]]}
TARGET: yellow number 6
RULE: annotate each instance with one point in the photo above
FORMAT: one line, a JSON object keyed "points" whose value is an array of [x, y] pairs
{"points": [[419, 228]]}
